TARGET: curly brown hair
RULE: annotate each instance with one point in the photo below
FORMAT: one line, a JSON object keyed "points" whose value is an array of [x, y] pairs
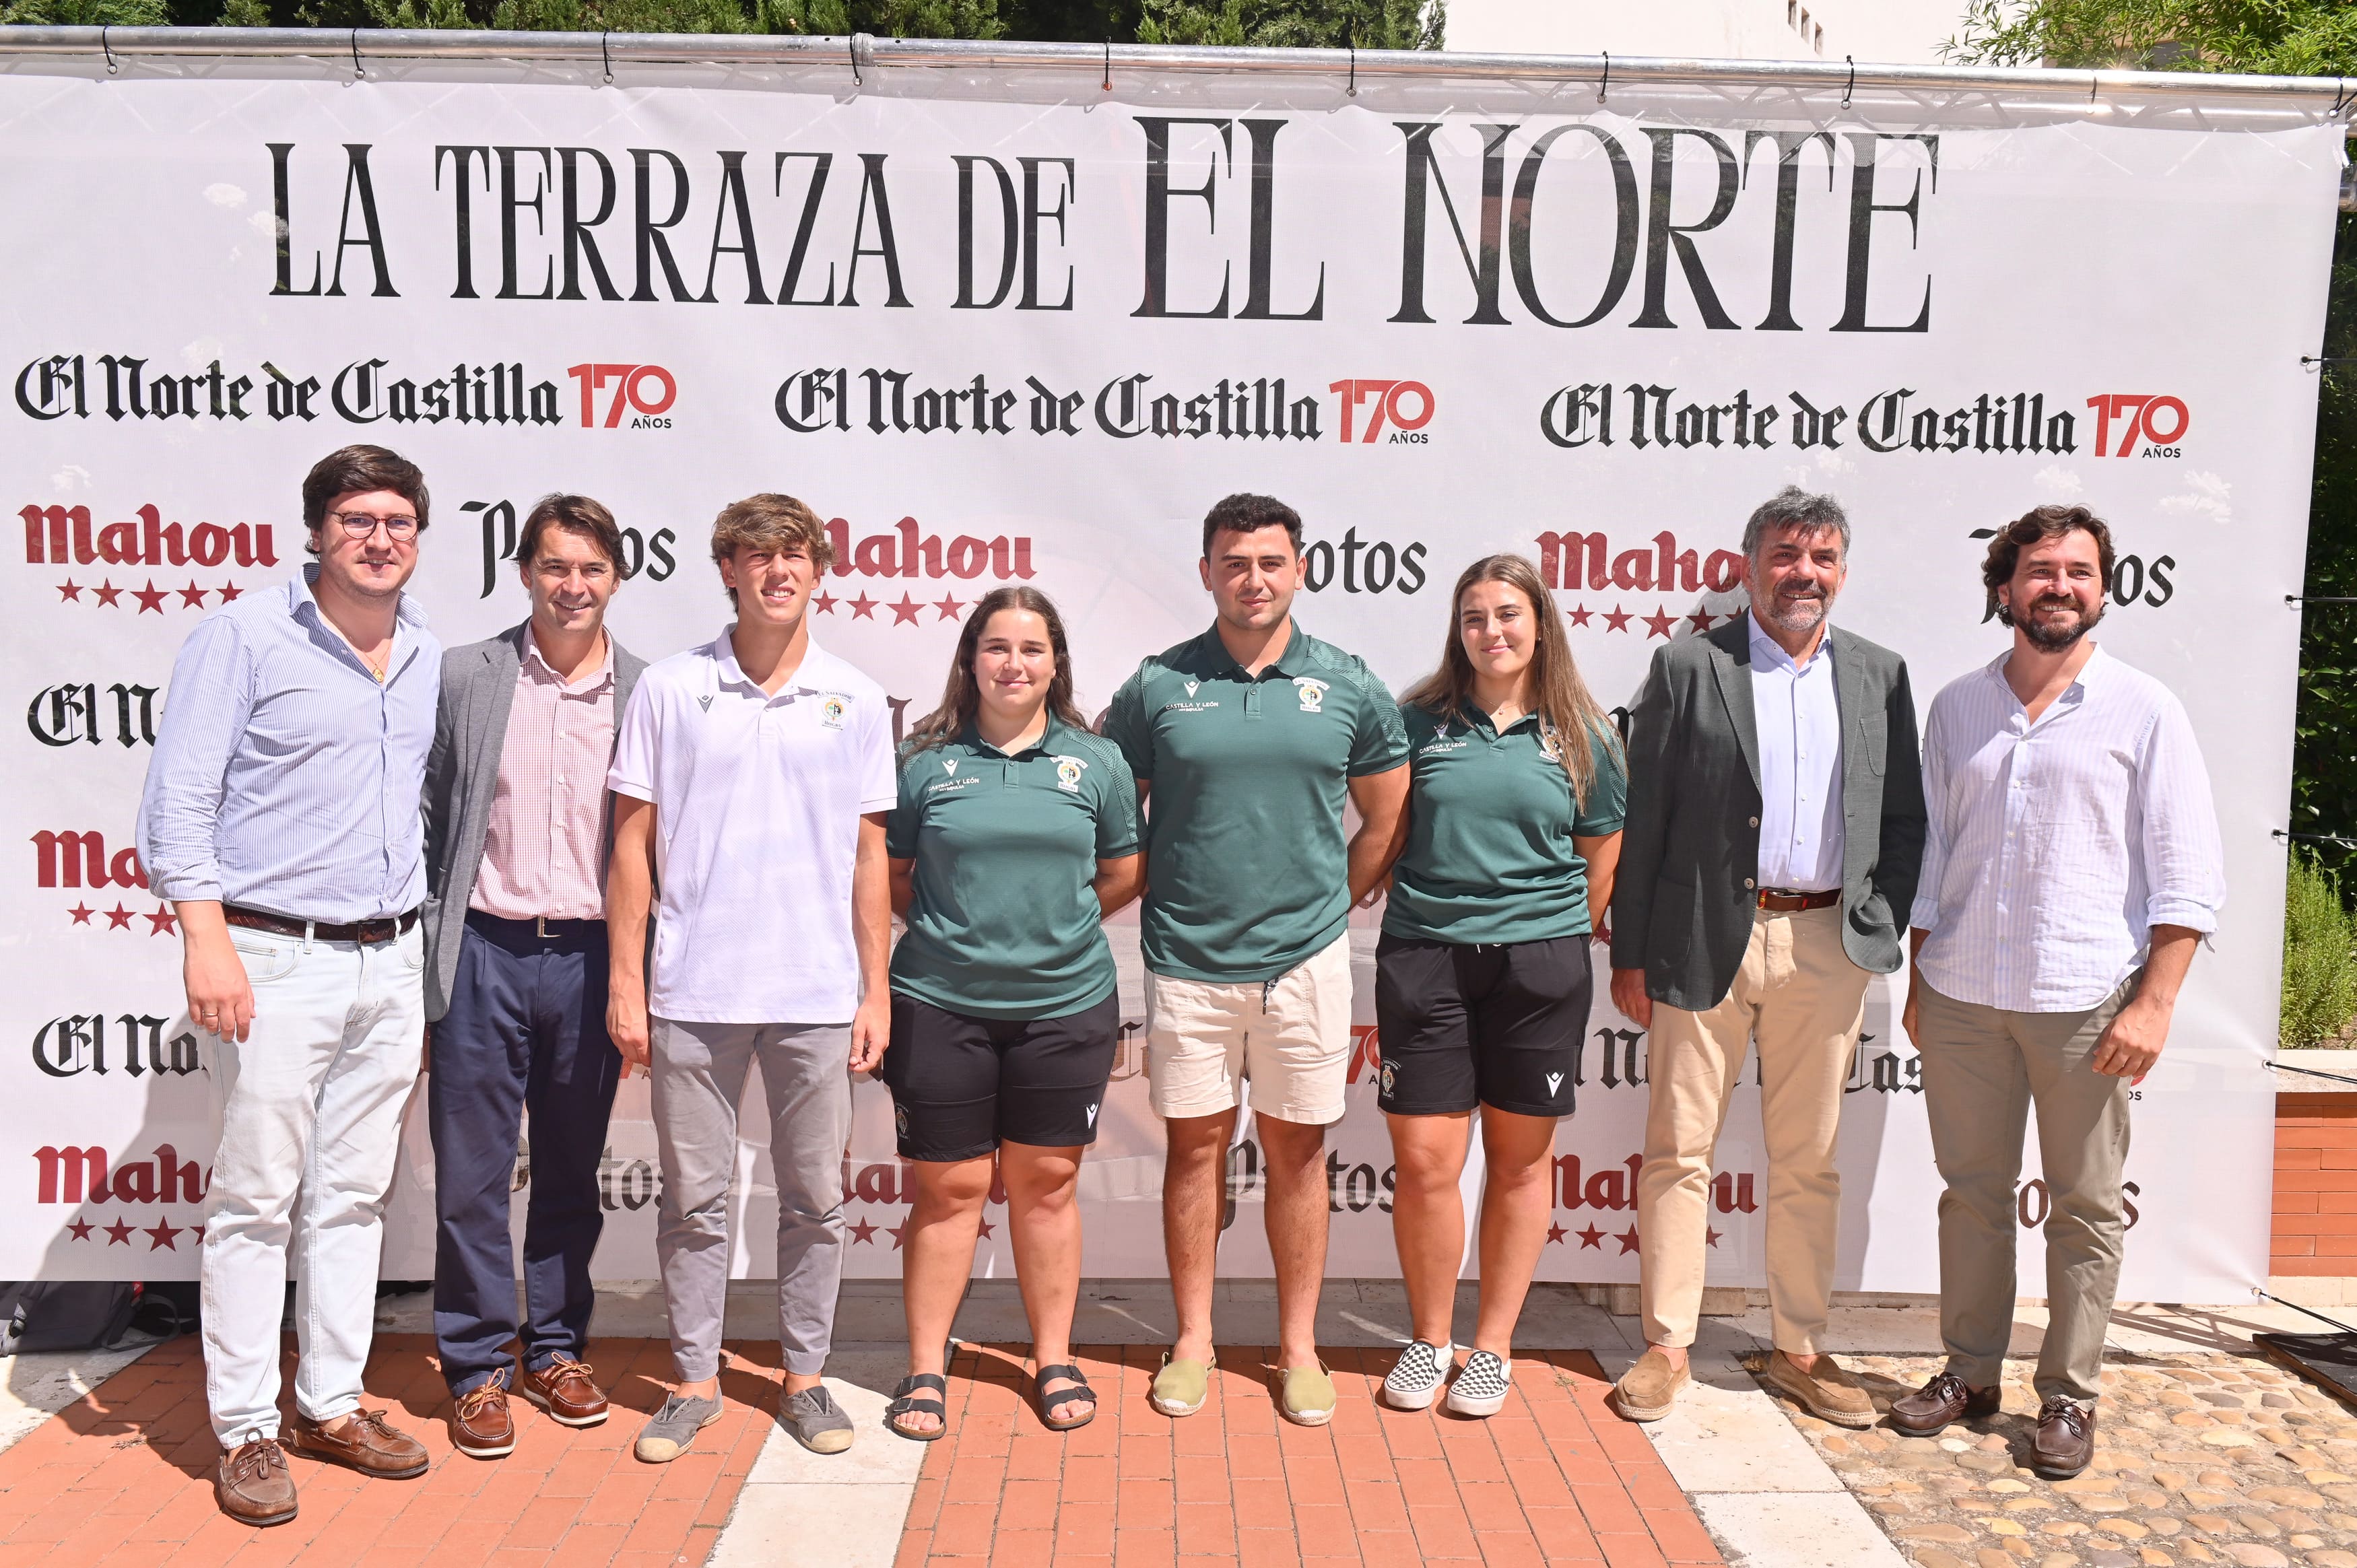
{"points": [[2035, 527]]}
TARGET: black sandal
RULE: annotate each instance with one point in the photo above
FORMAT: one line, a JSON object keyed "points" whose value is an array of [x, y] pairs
{"points": [[1071, 1374], [907, 1402]]}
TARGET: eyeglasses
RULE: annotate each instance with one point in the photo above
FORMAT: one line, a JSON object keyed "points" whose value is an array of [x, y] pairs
{"points": [[360, 525]]}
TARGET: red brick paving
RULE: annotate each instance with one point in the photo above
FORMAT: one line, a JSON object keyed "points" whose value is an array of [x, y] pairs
{"points": [[125, 1476], [1553, 1478]]}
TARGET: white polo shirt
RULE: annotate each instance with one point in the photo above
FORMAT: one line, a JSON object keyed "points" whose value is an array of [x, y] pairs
{"points": [[758, 801]]}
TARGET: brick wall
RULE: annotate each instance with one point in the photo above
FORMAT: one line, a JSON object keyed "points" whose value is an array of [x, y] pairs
{"points": [[2315, 1185]]}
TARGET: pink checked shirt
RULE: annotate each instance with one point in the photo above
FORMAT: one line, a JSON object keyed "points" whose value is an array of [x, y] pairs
{"points": [[543, 849]]}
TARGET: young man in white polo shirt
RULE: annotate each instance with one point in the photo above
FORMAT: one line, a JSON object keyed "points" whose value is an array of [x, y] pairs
{"points": [[751, 780]]}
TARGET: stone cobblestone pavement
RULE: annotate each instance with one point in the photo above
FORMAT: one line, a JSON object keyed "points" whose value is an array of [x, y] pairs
{"points": [[2223, 1458]]}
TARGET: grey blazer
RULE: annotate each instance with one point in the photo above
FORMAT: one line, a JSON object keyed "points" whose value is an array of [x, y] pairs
{"points": [[462, 773], [1684, 901]]}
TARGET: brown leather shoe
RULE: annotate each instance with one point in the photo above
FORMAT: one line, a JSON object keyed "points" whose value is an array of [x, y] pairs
{"points": [[565, 1390], [2065, 1439], [1825, 1390], [253, 1485], [365, 1444], [481, 1428], [1945, 1398], [1648, 1389]]}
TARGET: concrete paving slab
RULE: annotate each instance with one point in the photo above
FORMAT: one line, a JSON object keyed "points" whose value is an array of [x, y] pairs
{"points": [[1796, 1529]]}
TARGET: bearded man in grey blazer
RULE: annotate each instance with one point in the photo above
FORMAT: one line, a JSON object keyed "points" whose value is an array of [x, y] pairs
{"points": [[517, 838], [1775, 828]]}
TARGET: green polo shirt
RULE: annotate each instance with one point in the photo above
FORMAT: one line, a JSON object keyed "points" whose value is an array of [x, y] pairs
{"points": [[1490, 820], [1246, 865], [1004, 924]]}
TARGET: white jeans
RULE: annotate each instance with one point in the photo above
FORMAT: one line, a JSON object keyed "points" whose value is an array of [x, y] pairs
{"points": [[310, 1110]]}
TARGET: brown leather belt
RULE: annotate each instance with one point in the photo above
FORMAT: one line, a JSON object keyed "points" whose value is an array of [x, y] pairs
{"points": [[362, 931], [1784, 901]]}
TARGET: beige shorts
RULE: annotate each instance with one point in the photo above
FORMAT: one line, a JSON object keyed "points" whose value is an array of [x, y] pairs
{"points": [[1288, 1038]]}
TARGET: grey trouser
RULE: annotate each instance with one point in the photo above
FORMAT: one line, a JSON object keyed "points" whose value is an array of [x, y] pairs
{"points": [[698, 1078], [1982, 1069]]}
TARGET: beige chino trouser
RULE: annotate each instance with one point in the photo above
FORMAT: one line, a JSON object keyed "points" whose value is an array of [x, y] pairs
{"points": [[1983, 1068], [1799, 994]]}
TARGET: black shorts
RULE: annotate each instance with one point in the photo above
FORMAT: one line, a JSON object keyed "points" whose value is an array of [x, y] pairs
{"points": [[961, 1084], [1497, 1024]]}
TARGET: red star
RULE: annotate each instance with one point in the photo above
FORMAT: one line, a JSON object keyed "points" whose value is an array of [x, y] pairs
{"points": [[80, 1229], [862, 607], [119, 1231], [1703, 620], [227, 591], [824, 604], [69, 589], [191, 595], [864, 1233], [107, 593], [1628, 1240], [1616, 619], [198, 1232], [899, 1234], [948, 607], [1555, 1233], [1658, 624], [82, 914], [150, 597], [1710, 1236], [160, 1235], [1580, 615], [159, 924], [987, 1228], [118, 919], [906, 610], [1591, 1236]]}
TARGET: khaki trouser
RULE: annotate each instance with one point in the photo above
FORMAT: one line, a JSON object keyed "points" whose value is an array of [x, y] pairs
{"points": [[1800, 995], [1982, 1069]]}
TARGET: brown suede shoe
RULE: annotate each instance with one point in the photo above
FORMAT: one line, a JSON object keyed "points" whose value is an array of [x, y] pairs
{"points": [[1648, 1389], [365, 1444], [567, 1391], [253, 1485], [481, 1428], [1824, 1391], [1945, 1398]]}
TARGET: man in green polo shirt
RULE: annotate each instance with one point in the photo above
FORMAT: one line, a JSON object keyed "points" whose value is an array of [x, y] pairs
{"points": [[1245, 741]]}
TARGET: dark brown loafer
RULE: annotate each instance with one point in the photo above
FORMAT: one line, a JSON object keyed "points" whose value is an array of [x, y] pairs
{"points": [[365, 1444], [1945, 1398], [2065, 1439], [253, 1485], [481, 1427], [567, 1391]]}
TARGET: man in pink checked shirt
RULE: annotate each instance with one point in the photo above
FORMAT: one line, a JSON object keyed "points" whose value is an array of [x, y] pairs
{"points": [[517, 837]]}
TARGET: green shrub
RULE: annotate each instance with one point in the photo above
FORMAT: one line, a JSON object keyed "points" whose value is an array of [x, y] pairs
{"points": [[2319, 974]]}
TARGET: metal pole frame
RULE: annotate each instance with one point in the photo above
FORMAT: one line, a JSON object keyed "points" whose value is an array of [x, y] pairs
{"points": [[128, 44]]}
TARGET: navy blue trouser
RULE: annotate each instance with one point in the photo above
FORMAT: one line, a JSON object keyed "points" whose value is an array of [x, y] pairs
{"points": [[526, 1029]]}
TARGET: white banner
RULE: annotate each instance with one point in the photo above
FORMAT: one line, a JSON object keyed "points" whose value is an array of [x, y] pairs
{"points": [[1020, 327]]}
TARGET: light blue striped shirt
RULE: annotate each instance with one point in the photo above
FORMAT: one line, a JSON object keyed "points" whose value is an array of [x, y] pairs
{"points": [[286, 776], [2055, 847]]}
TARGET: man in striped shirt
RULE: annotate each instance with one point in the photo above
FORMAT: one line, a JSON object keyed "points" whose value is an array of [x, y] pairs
{"points": [[2071, 865]]}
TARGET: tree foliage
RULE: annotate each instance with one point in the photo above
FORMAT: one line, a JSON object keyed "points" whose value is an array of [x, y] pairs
{"points": [[1290, 24], [2279, 38]]}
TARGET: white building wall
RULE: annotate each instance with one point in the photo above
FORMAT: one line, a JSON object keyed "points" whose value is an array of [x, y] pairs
{"points": [[1905, 32]]}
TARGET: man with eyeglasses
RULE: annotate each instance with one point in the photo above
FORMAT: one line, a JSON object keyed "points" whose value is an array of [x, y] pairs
{"points": [[281, 820]]}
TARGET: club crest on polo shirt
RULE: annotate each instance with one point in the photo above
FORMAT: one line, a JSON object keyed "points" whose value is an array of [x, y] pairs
{"points": [[831, 710], [1312, 693], [1068, 773]]}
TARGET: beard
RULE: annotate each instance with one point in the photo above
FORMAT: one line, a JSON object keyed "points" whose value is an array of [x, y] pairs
{"points": [[2057, 635], [1797, 613]]}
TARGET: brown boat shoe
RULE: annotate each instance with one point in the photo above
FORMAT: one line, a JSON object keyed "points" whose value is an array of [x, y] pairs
{"points": [[483, 1427], [365, 1443], [253, 1486], [567, 1391]]}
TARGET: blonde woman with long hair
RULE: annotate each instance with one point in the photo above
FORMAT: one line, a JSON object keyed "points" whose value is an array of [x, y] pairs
{"points": [[1482, 983]]}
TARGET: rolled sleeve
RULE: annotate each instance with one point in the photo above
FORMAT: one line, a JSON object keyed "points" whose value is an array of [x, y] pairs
{"points": [[2184, 858], [180, 804]]}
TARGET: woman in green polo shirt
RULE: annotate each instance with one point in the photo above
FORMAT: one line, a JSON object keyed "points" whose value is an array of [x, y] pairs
{"points": [[1482, 982], [1015, 834]]}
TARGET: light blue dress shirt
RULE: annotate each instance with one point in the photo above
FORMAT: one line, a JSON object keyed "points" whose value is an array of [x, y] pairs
{"points": [[1798, 716], [287, 777]]}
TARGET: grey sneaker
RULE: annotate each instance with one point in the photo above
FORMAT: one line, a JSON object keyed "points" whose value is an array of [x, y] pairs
{"points": [[670, 1431], [816, 1422]]}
